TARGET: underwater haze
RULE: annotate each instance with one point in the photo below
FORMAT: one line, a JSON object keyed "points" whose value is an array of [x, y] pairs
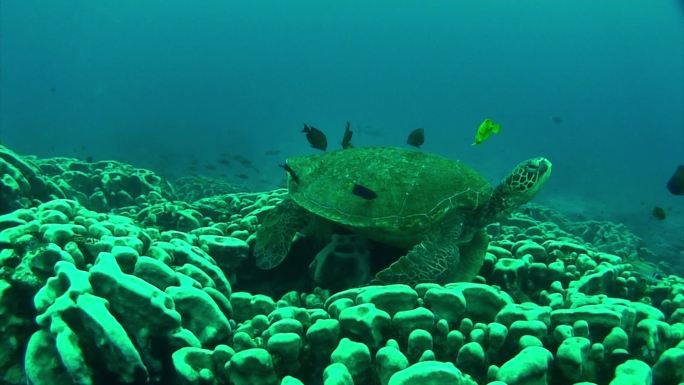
{"points": [[596, 87]]}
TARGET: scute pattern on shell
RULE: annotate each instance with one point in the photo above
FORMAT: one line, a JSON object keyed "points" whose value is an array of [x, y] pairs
{"points": [[415, 189]]}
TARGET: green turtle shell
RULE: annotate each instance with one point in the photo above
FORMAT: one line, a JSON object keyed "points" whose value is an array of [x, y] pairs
{"points": [[414, 190]]}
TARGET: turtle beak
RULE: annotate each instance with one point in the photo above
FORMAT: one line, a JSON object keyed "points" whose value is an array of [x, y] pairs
{"points": [[543, 170], [543, 165], [539, 166]]}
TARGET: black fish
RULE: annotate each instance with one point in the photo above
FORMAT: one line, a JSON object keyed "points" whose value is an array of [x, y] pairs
{"points": [[676, 183], [346, 139], [315, 137], [242, 176], [659, 213], [416, 137], [557, 119], [290, 171], [224, 162], [272, 152], [364, 192]]}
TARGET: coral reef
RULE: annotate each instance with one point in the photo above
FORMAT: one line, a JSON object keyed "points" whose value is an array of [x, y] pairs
{"points": [[105, 185], [143, 291], [101, 186], [192, 188], [610, 237]]}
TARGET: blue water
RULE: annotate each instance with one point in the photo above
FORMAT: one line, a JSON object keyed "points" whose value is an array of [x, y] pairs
{"points": [[161, 84]]}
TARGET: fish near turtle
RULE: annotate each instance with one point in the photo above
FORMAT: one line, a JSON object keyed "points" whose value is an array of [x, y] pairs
{"points": [[485, 130], [676, 183], [346, 139], [315, 137], [434, 207], [416, 137]]}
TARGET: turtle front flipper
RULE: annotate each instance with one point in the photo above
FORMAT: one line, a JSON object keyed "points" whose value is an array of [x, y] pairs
{"points": [[277, 231], [425, 262], [441, 259]]}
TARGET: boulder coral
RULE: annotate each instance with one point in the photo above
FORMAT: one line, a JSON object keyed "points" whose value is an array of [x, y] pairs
{"points": [[151, 294]]}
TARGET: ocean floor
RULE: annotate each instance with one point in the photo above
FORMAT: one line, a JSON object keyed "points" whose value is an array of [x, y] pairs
{"points": [[109, 274]]}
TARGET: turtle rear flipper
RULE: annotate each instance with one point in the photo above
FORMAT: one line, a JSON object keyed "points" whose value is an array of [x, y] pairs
{"points": [[442, 258], [278, 229]]}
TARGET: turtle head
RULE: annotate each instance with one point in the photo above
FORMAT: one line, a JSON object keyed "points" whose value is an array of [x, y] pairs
{"points": [[520, 186]]}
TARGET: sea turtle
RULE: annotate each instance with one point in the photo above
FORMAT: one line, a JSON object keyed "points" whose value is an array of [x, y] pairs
{"points": [[434, 207]]}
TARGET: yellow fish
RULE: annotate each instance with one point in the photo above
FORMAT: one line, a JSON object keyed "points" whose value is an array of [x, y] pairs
{"points": [[485, 131]]}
